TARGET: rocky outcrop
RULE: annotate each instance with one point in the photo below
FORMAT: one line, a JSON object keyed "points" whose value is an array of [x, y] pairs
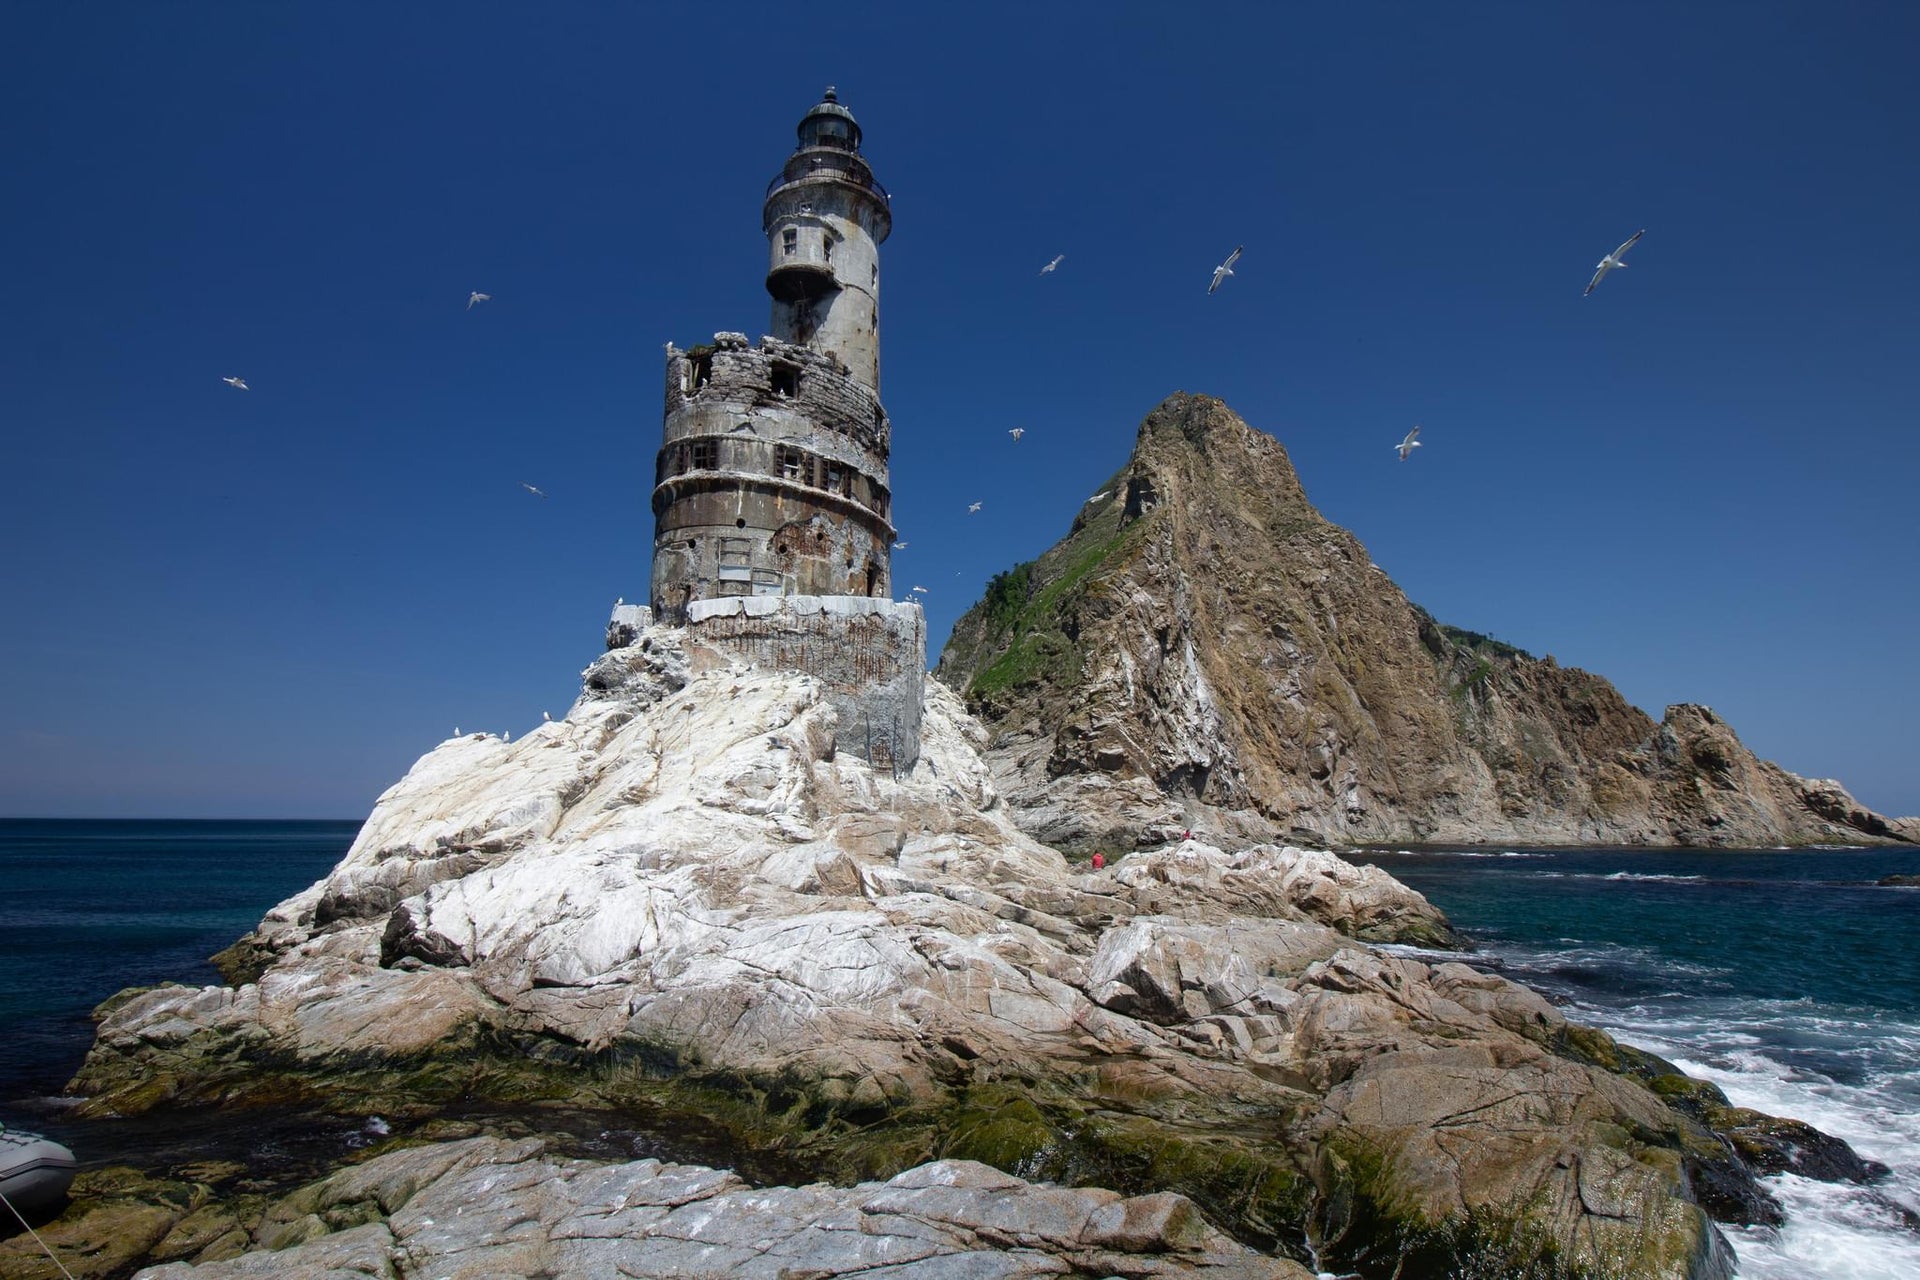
{"points": [[1205, 650], [496, 1208], [681, 900]]}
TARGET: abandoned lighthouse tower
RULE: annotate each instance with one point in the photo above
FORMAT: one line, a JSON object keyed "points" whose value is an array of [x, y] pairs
{"points": [[771, 502]]}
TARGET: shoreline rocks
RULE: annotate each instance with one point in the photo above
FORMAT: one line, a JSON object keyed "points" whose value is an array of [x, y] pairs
{"points": [[487, 1206], [681, 900]]}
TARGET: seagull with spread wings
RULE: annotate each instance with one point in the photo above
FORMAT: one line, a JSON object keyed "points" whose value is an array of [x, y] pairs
{"points": [[1016, 433], [1407, 446], [1612, 260], [1225, 269], [538, 493], [238, 384], [1058, 258], [972, 507], [477, 296]]}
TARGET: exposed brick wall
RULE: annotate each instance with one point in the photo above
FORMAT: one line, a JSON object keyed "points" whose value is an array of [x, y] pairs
{"points": [[871, 656]]}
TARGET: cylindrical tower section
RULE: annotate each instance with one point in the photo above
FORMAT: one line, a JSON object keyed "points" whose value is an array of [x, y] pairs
{"points": [[825, 216], [771, 478]]}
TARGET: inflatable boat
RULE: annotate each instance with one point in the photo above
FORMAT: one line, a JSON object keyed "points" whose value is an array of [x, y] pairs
{"points": [[34, 1172]]}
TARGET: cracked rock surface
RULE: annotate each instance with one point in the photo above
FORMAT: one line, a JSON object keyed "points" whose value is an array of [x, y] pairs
{"points": [[490, 1208], [682, 885]]}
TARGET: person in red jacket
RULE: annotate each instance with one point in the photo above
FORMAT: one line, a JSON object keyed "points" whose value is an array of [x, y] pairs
{"points": [[1099, 861]]}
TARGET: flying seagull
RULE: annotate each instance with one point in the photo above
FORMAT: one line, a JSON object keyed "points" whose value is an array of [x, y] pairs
{"points": [[1612, 260], [921, 590], [1017, 432], [538, 493], [1058, 258], [238, 384], [1408, 445], [1096, 497], [1225, 269], [972, 507], [899, 546], [477, 296]]}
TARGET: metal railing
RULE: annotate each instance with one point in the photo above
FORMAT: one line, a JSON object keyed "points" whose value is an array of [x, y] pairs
{"points": [[843, 175]]}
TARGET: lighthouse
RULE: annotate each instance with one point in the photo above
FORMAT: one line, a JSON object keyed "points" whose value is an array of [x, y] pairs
{"points": [[825, 217], [772, 505]]}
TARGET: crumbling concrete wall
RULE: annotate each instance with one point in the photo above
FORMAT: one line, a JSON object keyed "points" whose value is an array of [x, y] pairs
{"points": [[870, 654], [771, 478]]}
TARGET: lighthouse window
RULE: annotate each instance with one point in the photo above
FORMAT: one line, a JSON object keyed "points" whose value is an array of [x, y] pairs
{"points": [[701, 372], [790, 241], [706, 455], [833, 478], [829, 248], [786, 380], [793, 464]]}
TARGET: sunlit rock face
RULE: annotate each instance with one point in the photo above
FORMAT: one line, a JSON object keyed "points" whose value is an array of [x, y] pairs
{"points": [[686, 875], [1205, 650]]}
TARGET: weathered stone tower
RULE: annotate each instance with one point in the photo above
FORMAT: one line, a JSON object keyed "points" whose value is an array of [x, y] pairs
{"points": [[772, 476], [772, 510]]}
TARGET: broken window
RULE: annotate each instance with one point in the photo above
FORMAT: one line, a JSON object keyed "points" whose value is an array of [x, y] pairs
{"points": [[699, 370], [834, 478], [736, 555], [829, 248], [786, 380], [790, 241], [705, 455], [792, 464]]}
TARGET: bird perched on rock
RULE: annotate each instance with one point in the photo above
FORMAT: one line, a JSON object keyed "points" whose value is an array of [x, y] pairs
{"points": [[1058, 258], [1611, 261], [238, 384], [1016, 433], [1225, 269], [1408, 445], [477, 296]]}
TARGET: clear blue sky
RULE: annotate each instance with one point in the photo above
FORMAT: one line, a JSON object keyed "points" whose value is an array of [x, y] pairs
{"points": [[1697, 482]]}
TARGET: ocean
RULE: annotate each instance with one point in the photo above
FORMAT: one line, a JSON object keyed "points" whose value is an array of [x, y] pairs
{"points": [[1787, 978]]}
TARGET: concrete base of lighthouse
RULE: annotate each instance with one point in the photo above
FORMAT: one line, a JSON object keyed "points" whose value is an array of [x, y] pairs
{"points": [[869, 653]]}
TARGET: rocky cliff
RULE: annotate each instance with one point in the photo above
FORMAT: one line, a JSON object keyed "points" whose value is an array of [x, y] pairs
{"points": [[682, 902], [1204, 650]]}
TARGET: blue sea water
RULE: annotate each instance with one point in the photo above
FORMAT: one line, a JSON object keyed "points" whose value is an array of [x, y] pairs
{"points": [[87, 908], [1788, 978]]}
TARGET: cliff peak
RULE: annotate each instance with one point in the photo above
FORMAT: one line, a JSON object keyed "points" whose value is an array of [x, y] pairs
{"points": [[1205, 649]]}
